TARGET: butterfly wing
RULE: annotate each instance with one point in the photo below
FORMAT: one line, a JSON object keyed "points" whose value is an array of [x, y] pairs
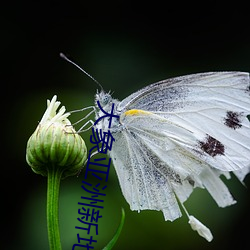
{"points": [[152, 168], [179, 134], [213, 106], [137, 177]]}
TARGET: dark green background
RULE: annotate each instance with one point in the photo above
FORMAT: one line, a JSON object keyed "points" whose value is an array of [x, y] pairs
{"points": [[125, 45]]}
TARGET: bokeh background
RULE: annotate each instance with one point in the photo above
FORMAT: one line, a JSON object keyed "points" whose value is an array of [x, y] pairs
{"points": [[125, 45]]}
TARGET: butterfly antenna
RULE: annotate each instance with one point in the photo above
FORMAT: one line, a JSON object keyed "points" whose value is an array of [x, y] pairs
{"points": [[68, 60]]}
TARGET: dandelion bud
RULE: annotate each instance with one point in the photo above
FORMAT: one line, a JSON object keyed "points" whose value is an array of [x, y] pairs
{"points": [[55, 143]]}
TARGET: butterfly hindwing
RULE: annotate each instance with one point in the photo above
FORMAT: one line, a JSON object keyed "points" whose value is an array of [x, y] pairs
{"points": [[141, 184]]}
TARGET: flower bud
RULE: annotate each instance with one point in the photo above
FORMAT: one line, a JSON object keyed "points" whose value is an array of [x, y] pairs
{"points": [[55, 143]]}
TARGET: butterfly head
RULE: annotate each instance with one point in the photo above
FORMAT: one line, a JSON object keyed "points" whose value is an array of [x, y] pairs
{"points": [[104, 99], [105, 105]]}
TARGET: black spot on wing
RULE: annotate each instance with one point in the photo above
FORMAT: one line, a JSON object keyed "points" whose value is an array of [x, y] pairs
{"points": [[190, 181], [233, 119], [248, 89], [212, 146]]}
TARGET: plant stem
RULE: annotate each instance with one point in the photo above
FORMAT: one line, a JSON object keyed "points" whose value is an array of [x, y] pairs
{"points": [[117, 234], [54, 177]]}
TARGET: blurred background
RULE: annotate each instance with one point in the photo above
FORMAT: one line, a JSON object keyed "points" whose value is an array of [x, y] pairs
{"points": [[125, 45]]}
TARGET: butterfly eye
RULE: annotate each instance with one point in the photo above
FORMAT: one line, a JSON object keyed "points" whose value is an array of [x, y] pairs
{"points": [[105, 99]]}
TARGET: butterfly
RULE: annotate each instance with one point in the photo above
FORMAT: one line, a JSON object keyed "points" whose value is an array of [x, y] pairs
{"points": [[178, 134]]}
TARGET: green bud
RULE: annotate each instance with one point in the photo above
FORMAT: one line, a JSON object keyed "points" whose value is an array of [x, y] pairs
{"points": [[55, 143]]}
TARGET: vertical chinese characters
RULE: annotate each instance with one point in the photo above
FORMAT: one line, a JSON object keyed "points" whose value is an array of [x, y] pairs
{"points": [[91, 205]]}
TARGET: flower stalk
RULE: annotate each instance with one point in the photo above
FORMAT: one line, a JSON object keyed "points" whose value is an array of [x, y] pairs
{"points": [[53, 187]]}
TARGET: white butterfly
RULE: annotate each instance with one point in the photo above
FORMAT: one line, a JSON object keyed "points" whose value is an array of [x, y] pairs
{"points": [[178, 134]]}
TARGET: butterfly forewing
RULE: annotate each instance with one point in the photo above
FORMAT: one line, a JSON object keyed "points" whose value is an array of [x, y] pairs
{"points": [[212, 106], [175, 93]]}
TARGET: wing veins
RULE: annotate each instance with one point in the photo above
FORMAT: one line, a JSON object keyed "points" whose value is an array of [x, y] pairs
{"points": [[144, 184], [131, 154]]}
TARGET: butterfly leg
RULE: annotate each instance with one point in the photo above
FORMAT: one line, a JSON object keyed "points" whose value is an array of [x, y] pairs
{"points": [[83, 127]]}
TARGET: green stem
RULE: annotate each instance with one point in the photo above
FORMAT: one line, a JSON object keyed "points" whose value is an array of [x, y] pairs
{"points": [[54, 177], [117, 234]]}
